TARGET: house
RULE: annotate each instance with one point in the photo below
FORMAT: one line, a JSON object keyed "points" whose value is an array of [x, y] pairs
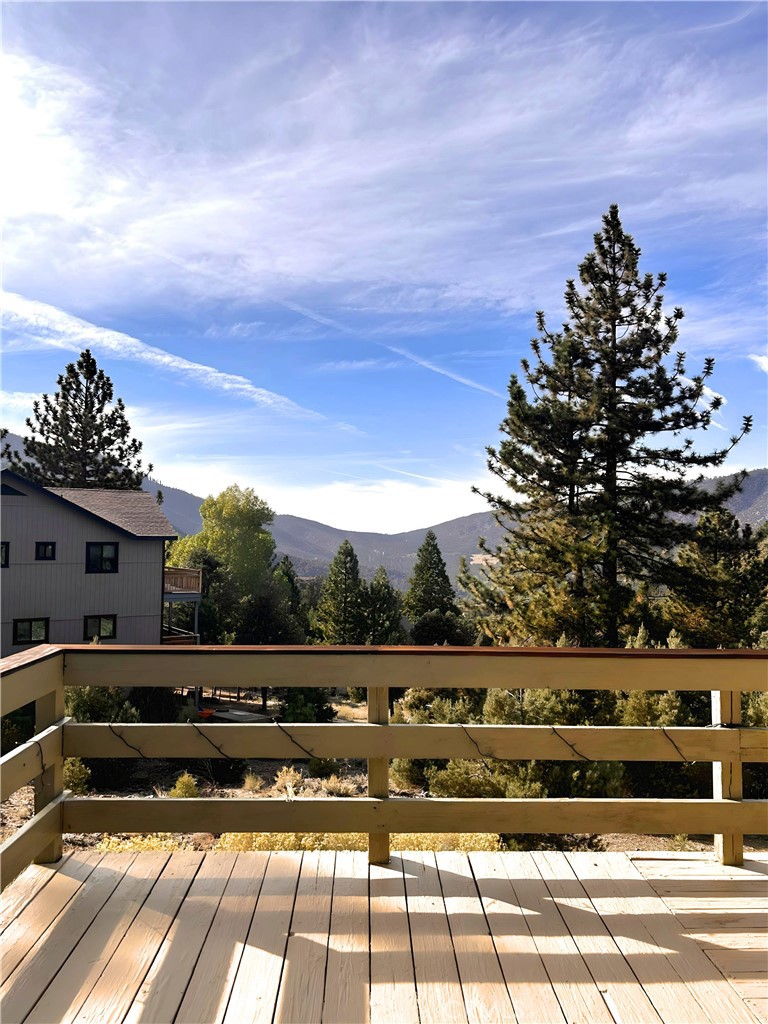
{"points": [[80, 563]]}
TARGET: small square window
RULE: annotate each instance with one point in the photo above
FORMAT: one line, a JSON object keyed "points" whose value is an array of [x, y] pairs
{"points": [[30, 631], [45, 551], [5, 554], [104, 627], [101, 557]]}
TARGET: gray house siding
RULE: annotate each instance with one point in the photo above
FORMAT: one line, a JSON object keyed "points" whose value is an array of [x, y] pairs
{"points": [[61, 590]]}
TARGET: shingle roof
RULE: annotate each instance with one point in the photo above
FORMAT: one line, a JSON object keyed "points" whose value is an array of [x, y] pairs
{"points": [[135, 512]]}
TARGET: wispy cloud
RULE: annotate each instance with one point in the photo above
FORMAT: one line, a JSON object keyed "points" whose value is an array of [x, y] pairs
{"points": [[429, 365], [55, 328], [761, 361], [385, 149], [357, 365]]}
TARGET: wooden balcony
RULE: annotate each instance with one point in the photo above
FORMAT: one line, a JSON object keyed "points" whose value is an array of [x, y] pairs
{"points": [[405, 937], [182, 581]]}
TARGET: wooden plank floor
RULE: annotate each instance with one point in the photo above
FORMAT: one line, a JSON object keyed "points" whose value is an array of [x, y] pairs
{"points": [[539, 938]]}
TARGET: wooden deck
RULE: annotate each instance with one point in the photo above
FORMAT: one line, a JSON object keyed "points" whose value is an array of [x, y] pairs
{"points": [[539, 938]]}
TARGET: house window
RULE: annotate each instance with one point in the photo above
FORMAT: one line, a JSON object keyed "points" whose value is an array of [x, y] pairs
{"points": [[102, 626], [5, 554], [101, 557], [45, 551], [30, 631]]}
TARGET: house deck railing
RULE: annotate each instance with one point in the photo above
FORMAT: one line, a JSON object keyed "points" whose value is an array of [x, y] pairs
{"points": [[41, 675], [182, 581]]}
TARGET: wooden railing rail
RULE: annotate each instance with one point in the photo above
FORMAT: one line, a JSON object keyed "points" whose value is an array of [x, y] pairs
{"points": [[187, 581], [42, 674]]}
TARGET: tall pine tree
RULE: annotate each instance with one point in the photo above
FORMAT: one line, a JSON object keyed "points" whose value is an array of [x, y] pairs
{"points": [[339, 617], [599, 457], [78, 438], [430, 602], [383, 610]]}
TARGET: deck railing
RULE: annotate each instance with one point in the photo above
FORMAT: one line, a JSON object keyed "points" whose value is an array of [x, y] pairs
{"points": [[41, 674], [184, 581]]}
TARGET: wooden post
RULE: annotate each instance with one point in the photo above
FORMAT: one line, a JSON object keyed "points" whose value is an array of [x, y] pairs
{"points": [[378, 772], [50, 784], [726, 775]]}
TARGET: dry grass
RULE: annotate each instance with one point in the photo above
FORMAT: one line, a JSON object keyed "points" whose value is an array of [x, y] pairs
{"points": [[252, 782], [351, 712], [243, 841]]}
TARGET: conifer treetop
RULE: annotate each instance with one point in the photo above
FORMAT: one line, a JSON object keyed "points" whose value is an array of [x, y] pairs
{"points": [[78, 438]]}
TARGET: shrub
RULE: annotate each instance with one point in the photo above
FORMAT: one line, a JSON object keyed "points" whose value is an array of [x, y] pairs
{"points": [[99, 704], [335, 786], [252, 782], [185, 787], [322, 767], [289, 781], [76, 775]]}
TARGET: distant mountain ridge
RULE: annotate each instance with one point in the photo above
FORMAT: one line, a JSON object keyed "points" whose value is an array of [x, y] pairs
{"points": [[312, 545]]}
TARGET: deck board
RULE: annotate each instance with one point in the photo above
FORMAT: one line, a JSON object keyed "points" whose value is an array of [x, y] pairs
{"points": [[724, 911], [325, 938]]}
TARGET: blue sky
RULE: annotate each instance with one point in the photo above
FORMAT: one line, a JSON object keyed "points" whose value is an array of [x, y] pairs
{"points": [[308, 241]]}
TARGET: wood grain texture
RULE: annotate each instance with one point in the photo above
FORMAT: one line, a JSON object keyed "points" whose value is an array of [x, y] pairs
{"points": [[393, 983], [28, 761], [486, 998], [434, 961], [400, 814], [63, 998], [347, 975], [257, 982], [36, 836], [529, 986], [19, 993], [430, 667], [302, 985], [208, 991], [112, 995], [375, 741]]}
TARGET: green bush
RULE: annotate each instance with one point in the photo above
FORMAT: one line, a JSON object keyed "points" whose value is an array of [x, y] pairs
{"points": [[76, 775], [186, 787], [323, 767]]}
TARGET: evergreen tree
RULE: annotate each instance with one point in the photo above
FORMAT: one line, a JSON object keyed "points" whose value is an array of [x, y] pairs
{"points": [[77, 437], [383, 610], [599, 454], [430, 602], [720, 598], [429, 588], [339, 617]]}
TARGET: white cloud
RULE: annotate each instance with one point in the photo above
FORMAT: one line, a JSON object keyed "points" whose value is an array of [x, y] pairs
{"points": [[58, 329], [381, 506], [761, 361], [382, 151]]}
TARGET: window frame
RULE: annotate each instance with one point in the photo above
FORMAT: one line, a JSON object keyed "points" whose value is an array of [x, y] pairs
{"points": [[89, 634], [42, 545], [5, 554], [32, 640], [90, 545]]}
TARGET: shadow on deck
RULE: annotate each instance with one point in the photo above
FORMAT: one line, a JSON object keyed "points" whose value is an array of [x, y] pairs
{"points": [[539, 937]]}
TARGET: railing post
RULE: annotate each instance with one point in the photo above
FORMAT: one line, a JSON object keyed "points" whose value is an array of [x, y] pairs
{"points": [[378, 772], [50, 784], [726, 775]]}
